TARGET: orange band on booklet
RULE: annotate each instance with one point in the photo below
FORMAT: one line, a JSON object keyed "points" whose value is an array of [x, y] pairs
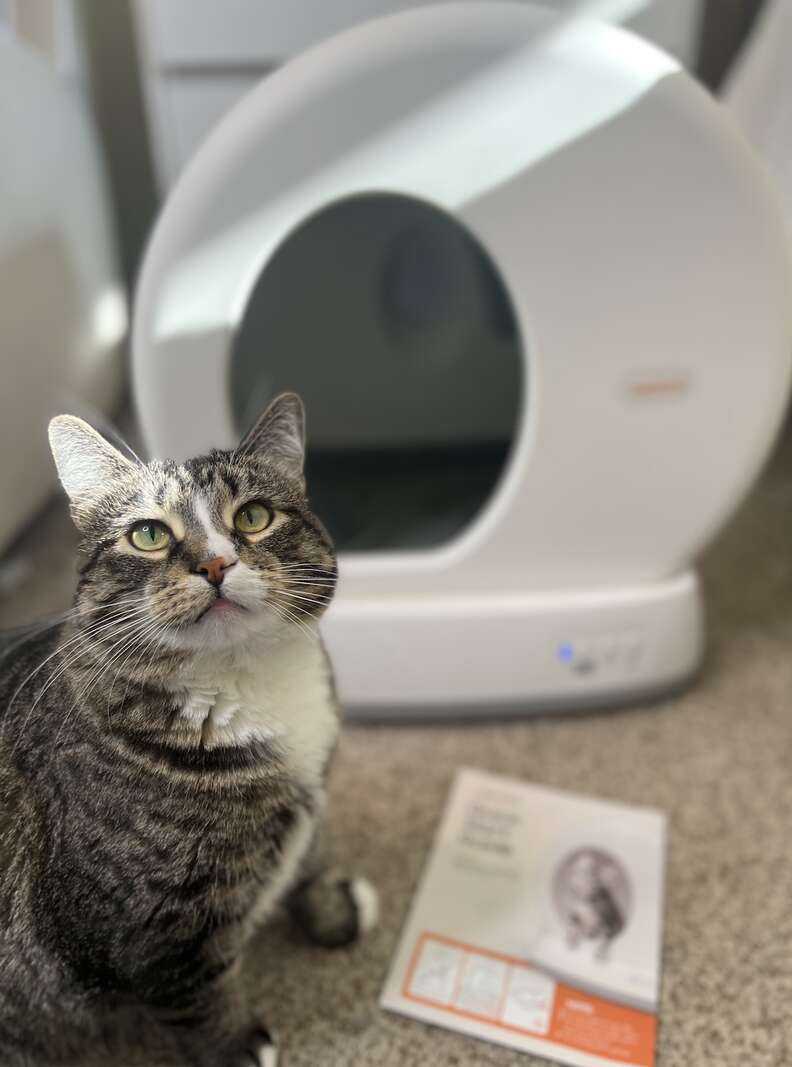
{"points": [[563, 1015], [602, 1028]]}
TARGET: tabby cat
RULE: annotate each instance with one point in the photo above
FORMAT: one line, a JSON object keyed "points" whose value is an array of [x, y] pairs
{"points": [[163, 753]]}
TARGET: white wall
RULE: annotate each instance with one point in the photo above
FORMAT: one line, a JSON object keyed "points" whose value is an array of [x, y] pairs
{"points": [[49, 27], [200, 56]]}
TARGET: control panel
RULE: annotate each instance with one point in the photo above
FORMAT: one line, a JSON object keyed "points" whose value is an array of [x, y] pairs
{"points": [[619, 652]]}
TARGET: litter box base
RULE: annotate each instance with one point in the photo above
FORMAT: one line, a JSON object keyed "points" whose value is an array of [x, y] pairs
{"points": [[481, 655]]}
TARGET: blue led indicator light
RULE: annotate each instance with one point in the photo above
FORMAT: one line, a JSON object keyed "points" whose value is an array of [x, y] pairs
{"points": [[566, 653]]}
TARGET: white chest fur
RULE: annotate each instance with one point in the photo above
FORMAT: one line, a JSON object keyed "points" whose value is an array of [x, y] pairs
{"points": [[279, 693]]}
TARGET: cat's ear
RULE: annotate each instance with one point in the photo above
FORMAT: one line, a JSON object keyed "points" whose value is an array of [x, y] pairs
{"points": [[279, 434], [88, 465]]}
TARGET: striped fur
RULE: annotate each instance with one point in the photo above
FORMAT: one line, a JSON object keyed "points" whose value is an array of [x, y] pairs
{"points": [[162, 762]]}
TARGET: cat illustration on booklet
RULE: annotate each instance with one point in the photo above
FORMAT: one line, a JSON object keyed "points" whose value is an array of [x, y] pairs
{"points": [[164, 748], [592, 894]]}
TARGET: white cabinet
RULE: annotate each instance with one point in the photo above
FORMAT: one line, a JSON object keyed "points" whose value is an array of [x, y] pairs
{"points": [[200, 56]]}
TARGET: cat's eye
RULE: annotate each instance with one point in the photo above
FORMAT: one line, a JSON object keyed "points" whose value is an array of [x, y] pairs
{"points": [[150, 536], [252, 517]]}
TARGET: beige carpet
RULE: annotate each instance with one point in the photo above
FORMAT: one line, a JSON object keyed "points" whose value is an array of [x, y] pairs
{"points": [[718, 759]]}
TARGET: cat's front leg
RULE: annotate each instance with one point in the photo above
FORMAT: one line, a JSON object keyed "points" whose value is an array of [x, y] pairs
{"points": [[255, 1048], [219, 1027], [259, 1049], [332, 908], [255, 1045]]}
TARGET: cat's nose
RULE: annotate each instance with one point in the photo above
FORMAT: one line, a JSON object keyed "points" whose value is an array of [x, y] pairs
{"points": [[214, 569]]}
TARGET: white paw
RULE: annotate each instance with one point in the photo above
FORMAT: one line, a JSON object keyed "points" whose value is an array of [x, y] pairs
{"points": [[366, 901], [264, 1053], [267, 1056]]}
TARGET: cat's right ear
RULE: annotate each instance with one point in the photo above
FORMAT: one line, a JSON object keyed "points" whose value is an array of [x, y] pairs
{"points": [[87, 464]]}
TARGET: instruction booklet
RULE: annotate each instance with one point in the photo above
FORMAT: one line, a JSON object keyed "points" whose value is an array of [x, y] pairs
{"points": [[537, 924]]}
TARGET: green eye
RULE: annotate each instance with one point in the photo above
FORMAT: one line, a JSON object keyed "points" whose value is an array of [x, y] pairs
{"points": [[150, 536], [252, 518]]}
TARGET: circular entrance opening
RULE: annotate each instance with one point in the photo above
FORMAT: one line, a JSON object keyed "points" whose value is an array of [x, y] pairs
{"points": [[390, 320]]}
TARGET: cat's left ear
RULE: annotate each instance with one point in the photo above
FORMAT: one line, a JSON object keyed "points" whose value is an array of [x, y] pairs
{"points": [[279, 435], [88, 465]]}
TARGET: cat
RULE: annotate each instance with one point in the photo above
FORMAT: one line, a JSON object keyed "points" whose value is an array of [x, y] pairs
{"points": [[592, 891], [163, 755]]}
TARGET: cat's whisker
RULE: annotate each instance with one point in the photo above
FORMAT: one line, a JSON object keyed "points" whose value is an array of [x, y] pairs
{"points": [[144, 649], [306, 563], [96, 634], [87, 646], [35, 631], [289, 615], [127, 637], [115, 650], [303, 566], [307, 576], [309, 581], [81, 636], [308, 587], [319, 599], [131, 646], [308, 609], [84, 645], [304, 576], [145, 642], [309, 634], [53, 621], [299, 568], [146, 637]]}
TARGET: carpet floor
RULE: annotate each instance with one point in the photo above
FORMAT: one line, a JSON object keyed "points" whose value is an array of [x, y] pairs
{"points": [[717, 759]]}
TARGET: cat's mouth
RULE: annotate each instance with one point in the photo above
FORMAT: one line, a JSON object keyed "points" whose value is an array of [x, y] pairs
{"points": [[221, 607]]}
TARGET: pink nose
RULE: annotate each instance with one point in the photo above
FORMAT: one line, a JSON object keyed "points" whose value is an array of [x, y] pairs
{"points": [[214, 569]]}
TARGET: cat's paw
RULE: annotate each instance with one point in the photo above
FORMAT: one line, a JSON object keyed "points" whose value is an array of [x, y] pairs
{"points": [[261, 1050], [333, 912], [366, 899]]}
